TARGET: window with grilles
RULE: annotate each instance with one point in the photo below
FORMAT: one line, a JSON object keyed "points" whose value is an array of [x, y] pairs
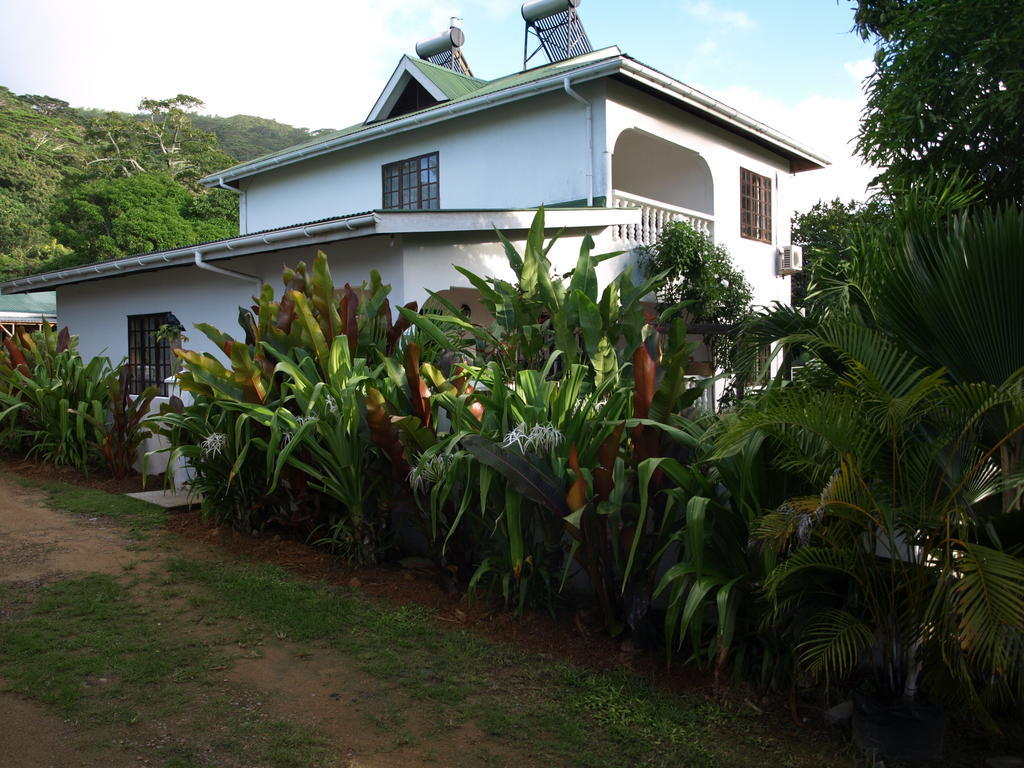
{"points": [[149, 358], [755, 206], [412, 184]]}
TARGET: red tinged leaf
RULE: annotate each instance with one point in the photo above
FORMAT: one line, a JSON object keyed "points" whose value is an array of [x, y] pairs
{"points": [[644, 378], [646, 442], [63, 339], [348, 309], [17, 356], [384, 433], [475, 407], [577, 495], [286, 313], [418, 392], [607, 453], [402, 325]]}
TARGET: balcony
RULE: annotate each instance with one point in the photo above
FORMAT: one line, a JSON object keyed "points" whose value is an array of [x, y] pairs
{"points": [[654, 215]]}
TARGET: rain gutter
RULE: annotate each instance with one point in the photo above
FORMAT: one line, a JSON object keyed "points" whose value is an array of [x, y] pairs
{"points": [[225, 249]]}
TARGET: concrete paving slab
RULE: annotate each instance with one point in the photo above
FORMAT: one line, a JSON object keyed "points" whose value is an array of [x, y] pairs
{"points": [[165, 499]]}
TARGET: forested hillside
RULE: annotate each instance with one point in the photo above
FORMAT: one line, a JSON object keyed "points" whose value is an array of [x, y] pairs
{"points": [[78, 186]]}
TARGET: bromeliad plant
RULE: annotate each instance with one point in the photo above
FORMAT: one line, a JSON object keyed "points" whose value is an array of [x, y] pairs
{"points": [[320, 431], [310, 315], [296, 389], [68, 411]]}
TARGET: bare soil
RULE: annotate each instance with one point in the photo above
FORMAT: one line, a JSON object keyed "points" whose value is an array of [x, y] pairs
{"points": [[33, 738], [39, 545], [315, 688]]}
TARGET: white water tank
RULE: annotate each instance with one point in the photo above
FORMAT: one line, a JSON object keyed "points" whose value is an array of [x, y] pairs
{"points": [[446, 41], [541, 9]]}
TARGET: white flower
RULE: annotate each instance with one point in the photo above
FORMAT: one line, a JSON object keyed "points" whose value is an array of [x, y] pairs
{"points": [[429, 469], [213, 444], [517, 436], [544, 438], [332, 405]]}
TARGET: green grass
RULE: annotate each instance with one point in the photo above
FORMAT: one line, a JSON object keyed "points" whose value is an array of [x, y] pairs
{"points": [[548, 711], [111, 665], [140, 516], [57, 644]]}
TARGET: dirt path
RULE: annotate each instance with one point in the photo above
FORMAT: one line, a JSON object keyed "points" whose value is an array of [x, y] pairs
{"points": [[361, 722]]}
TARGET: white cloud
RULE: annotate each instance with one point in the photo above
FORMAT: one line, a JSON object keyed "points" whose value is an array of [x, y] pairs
{"points": [[706, 11], [322, 65], [826, 125], [860, 70]]}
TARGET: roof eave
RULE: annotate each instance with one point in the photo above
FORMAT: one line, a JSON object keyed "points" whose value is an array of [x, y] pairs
{"points": [[801, 158], [342, 228]]}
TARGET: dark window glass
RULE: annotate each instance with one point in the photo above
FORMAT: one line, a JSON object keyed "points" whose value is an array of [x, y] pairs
{"points": [[149, 359], [412, 184], [755, 206]]}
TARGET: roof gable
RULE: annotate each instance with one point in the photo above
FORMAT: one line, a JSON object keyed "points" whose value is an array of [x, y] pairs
{"points": [[415, 82]]}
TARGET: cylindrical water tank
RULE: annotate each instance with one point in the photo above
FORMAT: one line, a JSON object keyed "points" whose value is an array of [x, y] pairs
{"points": [[541, 9], [451, 38]]}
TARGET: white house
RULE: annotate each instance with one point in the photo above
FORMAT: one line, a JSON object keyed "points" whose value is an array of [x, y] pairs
{"points": [[611, 146]]}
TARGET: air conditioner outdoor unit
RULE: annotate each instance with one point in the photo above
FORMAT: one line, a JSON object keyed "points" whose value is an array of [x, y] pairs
{"points": [[791, 259]]}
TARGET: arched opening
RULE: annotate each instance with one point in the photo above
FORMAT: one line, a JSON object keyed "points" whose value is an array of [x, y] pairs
{"points": [[666, 181]]}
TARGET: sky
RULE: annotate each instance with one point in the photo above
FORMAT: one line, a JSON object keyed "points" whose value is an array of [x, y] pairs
{"points": [[793, 64]]}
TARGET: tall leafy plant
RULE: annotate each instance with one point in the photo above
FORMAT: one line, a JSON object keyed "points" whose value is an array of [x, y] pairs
{"points": [[542, 313], [892, 573]]}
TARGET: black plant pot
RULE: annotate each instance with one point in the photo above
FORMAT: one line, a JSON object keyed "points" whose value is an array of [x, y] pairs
{"points": [[909, 733]]}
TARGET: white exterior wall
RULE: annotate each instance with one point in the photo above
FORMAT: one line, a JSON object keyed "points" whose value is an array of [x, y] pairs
{"points": [[97, 312], [519, 155], [725, 153]]}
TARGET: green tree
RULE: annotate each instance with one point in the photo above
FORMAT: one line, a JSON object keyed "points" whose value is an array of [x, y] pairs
{"points": [[828, 232], [700, 274], [947, 92], [162, 137], [245, 137], [109, 218], [41, 142]]}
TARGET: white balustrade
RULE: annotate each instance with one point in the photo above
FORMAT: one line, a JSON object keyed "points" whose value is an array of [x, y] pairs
{"points": [[654, 215]]}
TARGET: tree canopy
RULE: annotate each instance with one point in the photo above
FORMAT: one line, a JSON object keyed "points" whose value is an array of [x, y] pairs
{"points": [[79, 185], [828, 232], [947, 93]]}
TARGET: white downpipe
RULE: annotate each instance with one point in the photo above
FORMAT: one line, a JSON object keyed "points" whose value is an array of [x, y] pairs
{"points": [[228, 272], [609, 187], [222, 185], [567, 85]]}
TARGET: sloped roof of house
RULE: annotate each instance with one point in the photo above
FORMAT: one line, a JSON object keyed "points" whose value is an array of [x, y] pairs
{"points": [[454, 84], [346, 227], [469, 94], [28, 306]]}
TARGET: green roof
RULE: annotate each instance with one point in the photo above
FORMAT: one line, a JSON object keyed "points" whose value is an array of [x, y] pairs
{"points": [[452, 83], [460, 87], [42, 303]]}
